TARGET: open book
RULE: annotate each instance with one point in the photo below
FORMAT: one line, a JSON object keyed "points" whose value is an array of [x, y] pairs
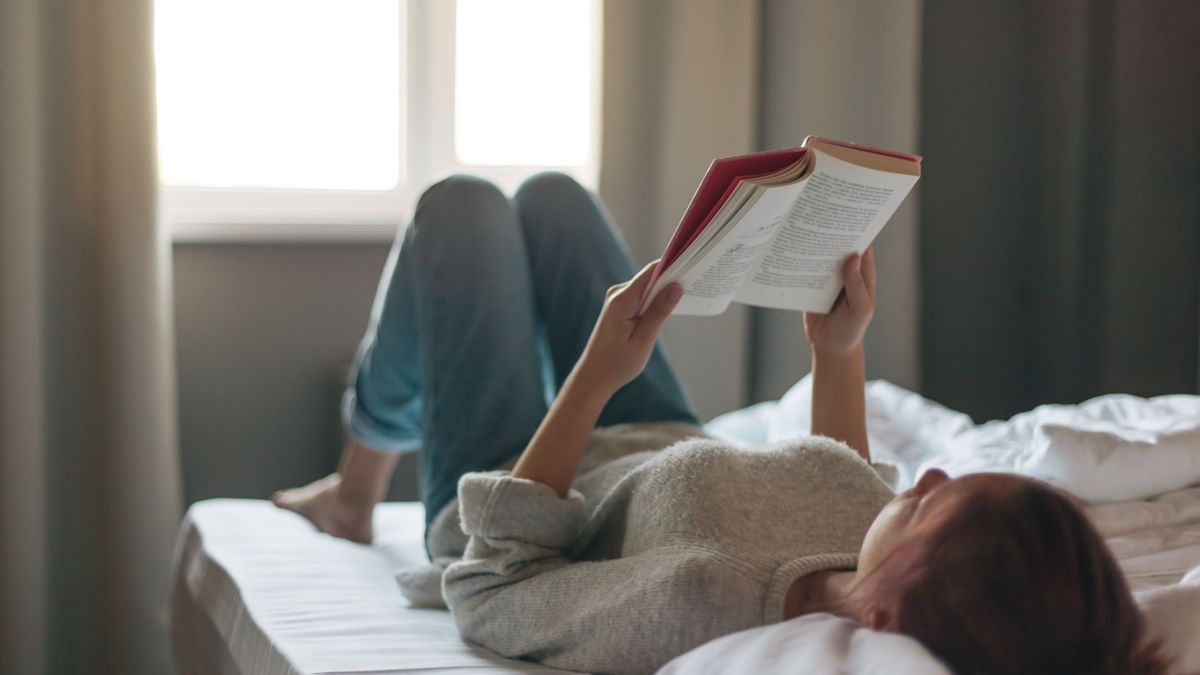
{"points": [[772, 229]]}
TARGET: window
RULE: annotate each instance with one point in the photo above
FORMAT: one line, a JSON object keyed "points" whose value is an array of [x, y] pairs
{"points": [[286, 119]]}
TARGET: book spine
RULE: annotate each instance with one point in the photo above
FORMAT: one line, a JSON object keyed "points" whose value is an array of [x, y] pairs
{"points": [[865, 148]]}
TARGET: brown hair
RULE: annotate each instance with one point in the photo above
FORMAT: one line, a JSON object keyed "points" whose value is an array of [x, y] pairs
{"points": [[1006, 575]]}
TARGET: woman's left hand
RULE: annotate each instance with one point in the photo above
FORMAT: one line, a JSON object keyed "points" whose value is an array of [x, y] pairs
{"points": [[841, 330], [621, 342]]}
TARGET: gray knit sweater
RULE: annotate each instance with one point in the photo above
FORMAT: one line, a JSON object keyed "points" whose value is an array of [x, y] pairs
{"points": [[654, 552]]}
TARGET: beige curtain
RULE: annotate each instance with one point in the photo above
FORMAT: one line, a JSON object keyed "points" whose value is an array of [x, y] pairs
{"points": [[680, 88], [89, 487]]}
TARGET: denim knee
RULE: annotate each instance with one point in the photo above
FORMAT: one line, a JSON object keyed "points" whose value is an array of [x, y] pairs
{"points": [[547, 184], [547, 189], [551, 199], [457, 201]]}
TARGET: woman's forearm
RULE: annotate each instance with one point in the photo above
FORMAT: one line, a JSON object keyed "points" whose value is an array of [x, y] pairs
{"points": [[553, 453], [616, 353], [839, 407]]}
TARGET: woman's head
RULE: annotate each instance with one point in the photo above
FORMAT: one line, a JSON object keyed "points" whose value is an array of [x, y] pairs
{"points": [[1000, 574]]}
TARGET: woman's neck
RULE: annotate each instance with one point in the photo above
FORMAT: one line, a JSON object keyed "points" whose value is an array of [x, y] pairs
{"points": [[817, 592]]}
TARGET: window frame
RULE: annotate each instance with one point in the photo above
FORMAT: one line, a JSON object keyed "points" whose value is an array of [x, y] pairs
{"points": [[427, 70]]}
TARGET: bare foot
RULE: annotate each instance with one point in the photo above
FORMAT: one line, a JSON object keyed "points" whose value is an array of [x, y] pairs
{"points": [[319, 502]]}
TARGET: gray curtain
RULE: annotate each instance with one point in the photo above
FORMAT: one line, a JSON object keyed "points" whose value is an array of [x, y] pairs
{"points": [[89, 489], [1060, 245]]}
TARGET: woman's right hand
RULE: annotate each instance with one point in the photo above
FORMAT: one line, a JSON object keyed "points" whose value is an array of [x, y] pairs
{"points": [[622, 341], [841, 331]]}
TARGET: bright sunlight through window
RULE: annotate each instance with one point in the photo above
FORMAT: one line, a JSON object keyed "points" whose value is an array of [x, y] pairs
{"points": [[284, 119], [523, 82], [279, 93]]}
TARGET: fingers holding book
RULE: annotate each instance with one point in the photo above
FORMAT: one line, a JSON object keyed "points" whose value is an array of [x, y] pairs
{"points": [[842, 329], [622, 341], [858, 278]]}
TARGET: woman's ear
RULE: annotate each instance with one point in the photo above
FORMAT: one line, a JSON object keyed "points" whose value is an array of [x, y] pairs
{"points": [[877, 618]]}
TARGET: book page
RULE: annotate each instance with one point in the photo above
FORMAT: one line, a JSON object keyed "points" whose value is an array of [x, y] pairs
{"points": [[742, 196], [712, 280], [691, 242], [839, 211]]}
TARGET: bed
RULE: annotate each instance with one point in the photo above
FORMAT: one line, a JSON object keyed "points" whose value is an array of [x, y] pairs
{"points": [[258, 590]]}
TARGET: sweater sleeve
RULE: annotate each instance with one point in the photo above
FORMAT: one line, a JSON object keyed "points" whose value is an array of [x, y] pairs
{"points": [[516, 593]]}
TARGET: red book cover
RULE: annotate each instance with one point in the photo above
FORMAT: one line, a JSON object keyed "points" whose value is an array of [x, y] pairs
{"points": [[718, 183]]}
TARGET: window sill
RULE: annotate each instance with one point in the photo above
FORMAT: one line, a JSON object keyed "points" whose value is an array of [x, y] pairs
{"points": [[282, 233]]}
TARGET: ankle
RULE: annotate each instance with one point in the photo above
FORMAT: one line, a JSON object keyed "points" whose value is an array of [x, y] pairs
{"points": [[354, 503]]}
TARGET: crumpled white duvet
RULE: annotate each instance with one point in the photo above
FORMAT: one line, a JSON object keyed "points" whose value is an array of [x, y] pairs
{"points": [[1136, 460], [1108, 449]]}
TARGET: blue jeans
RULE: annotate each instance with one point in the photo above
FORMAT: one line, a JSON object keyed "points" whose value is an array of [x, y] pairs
{"points": [[484, 307]]}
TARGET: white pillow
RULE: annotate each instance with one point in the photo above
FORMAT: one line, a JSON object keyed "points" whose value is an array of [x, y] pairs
{"points": [[814, 643], [1173, 619], [1104, 461]]}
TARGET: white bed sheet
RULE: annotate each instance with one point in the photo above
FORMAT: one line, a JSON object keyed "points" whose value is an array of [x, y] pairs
{"points": [[259, 591], [285, 599]]}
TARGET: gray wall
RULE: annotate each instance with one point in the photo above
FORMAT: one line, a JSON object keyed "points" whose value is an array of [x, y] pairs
{"points": [[264, 333]]}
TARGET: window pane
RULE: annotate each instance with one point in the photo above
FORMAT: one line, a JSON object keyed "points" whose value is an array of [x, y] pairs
{"points": [[523, 82], [279, 93]]}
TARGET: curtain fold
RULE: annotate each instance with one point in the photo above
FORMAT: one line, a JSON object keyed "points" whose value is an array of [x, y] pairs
{"points": [[89, 484], [680, 88], [1060, 249], [846, 69]]}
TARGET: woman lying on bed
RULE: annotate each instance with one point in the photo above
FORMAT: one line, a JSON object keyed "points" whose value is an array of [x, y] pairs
{"points": [[624, 536]]}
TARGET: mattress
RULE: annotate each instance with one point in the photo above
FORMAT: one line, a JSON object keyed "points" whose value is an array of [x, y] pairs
{"points": [[258, 590]]}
